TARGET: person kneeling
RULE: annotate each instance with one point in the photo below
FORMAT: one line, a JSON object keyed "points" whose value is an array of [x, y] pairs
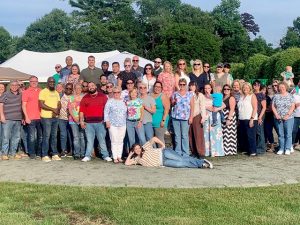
{"points": [[146, 155]]}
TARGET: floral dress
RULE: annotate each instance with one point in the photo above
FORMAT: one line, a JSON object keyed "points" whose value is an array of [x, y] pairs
{"points": [[213, 135]]}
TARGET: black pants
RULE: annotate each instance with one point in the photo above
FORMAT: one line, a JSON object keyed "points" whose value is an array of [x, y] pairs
{"points": [[248, 137]]}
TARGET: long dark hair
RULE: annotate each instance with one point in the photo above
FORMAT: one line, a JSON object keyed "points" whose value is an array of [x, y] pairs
{"points": [[195, 84], [132, 150], [152, 71]]}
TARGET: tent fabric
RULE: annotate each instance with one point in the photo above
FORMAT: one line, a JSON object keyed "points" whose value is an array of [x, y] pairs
{"points": [[7, 74], [42, 64]]}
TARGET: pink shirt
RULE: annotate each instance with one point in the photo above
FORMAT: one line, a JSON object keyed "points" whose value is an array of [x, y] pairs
{"points": [[168, 81], [31, 97]]}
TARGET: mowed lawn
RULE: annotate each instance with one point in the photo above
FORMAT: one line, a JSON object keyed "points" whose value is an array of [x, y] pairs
{"points": [[48, 204]]}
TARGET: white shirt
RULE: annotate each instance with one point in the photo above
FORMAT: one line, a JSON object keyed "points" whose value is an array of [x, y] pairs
{"points": [[245, 108]]}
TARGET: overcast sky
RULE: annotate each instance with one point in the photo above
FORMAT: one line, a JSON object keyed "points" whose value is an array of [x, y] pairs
{"points": [[272, 16]]}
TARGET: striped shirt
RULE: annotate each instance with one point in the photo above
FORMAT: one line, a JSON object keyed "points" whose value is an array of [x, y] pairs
{"points": [[12, 105], [152, 157]]}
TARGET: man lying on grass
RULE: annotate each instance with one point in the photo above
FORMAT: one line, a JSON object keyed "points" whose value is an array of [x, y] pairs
{"points": [[146, 155]]}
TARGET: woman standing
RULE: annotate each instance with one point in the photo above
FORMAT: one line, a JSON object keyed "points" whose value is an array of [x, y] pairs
{"points": [[77, 131], [149, 110], [115, 113], [168, 79], [269, 120], [149, 77], [220, 77], [135, 117], [181, 73], [182, 116], [160, 118], [195, 76], [196, 133], [230, 127], [73, 78], [283, 106], [212, 135], [247, 107]]}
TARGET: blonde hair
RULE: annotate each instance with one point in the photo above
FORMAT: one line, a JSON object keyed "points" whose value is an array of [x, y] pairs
{"points": [[133, 89], [201, 65], [236, 81], [168, 62], [250, 86], [284, 84]]}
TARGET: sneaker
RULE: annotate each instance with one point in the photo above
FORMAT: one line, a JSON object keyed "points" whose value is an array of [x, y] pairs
{"points": [[56, 158], [5, 157], [280, 152], [253, 154], [207, 164], [107, 159], [292, 149], [287, 152], [86, 159], [46, 159]]}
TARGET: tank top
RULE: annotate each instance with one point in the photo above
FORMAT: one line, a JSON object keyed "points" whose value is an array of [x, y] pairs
{"points": [[159, 113], [245, 108], [226, 102], [221, 81]]}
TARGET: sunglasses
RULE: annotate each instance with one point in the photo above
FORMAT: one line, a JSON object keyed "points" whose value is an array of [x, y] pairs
{"points": [[127, 65], [197, 64], [148, 68], [117, 92], [181, 64], [206, 66], [142, 88], [57, 67], [129, 83], [109, 86], [157, 62], [226, 89], [182, 84], [69, 88], [135, 60], [84, 86]]}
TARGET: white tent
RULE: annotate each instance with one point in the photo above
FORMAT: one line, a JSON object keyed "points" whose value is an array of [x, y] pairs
{"points": [[42, 64]]}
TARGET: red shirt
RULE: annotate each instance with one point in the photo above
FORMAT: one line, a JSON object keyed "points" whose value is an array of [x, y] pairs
{"points": [[31, 97], [93, 107]]}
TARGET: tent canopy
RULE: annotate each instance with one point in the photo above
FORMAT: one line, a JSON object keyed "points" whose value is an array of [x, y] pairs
{"points": [[11, 74], [42, 64]]}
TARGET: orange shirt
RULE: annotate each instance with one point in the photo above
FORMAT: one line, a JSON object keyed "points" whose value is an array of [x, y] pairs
{"points": [[31, 96]]}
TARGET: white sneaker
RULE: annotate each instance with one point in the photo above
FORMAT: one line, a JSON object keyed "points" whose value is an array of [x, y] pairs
{"points": [[280, 152], [86, 159], [207, 164], [107, 159], [292, 149], [287, 152]]}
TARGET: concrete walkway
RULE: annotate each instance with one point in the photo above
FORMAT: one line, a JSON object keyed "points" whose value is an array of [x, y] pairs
{"points": [[237, 171]]}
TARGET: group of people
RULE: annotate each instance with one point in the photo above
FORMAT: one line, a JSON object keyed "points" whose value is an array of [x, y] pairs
{"points": [[126, 114]]}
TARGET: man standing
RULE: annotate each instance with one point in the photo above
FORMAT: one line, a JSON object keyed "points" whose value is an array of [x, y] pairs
{"points": [[91, 73], [31, 111], [50, 106], [136, 69], [157, 66], [92, 120], [105, 66], [126, 75], [11, 117], [57, 76], [63, 120], [66, 71], [113, 77]]}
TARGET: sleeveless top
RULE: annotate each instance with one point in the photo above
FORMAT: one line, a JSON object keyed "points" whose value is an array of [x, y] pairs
{"points": [[245, 108], [159, 113], [226, 102]]}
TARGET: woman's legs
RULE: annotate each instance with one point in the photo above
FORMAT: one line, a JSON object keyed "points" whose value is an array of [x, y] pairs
{"points": [[173, 159]]}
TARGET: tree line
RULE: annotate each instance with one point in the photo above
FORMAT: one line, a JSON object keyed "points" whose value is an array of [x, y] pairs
{"points": [[168, 29]]}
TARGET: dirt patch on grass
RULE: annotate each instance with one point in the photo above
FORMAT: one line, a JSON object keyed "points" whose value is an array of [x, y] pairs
{"points": [[76, 218]]}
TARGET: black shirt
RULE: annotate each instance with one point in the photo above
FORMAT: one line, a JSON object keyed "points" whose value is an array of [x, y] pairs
{"points": [[125, 76]]}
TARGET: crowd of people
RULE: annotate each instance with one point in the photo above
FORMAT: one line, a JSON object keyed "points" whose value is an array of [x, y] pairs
{"points": [[124, 116]]}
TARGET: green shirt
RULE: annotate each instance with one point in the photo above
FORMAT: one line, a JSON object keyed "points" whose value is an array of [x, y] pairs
{"points": [[56, 78], [91, 75]]}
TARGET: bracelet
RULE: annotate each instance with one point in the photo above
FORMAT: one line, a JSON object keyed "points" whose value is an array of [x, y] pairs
{"points": [[163, 120]]}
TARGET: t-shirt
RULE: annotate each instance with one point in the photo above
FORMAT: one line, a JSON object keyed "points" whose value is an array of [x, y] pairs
{"points": [[31, 97], [217, 99], [283, 104], [74, 106], [65, 72], [260, 97], [148, 102], [12, 105], [152, 157], [115, 112], [91, 75], [64, 112], [51, 99], [134, 109], [57, 79], [93, 107], [182, 109], [139, 71], [125, 76]]}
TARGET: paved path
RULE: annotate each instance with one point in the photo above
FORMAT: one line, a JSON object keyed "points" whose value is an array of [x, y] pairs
{"points": [[238, 171]]}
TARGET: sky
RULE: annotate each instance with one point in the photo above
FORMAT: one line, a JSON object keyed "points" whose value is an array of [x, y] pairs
{"points": [[272, 16]]}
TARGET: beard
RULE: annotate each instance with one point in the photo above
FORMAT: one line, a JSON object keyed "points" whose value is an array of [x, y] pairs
{"points": [[51, 88], [93, 91]]}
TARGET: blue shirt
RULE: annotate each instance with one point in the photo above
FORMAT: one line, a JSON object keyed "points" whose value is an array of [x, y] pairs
{"points": [[64, 73], [115, 112], [182, 109], [217, 99]]}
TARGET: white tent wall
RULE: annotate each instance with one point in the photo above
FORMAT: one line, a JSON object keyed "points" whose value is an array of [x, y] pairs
{"points": [[42, 64]]}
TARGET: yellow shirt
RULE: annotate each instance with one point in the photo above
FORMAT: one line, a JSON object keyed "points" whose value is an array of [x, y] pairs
{"points": [[51, 99]]}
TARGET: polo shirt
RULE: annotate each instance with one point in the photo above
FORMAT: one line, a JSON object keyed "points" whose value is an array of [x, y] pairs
{"points": [[91, 75], [31, 97], [93, 107], [51, 99], [12, 105]]}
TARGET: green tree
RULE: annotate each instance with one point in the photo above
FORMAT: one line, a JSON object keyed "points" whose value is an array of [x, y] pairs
{"points": [[50, 33], [254, 65], [259, 45], [5, 44], [292, 37]]}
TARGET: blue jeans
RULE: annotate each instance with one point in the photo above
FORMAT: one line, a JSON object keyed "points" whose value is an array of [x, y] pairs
{"points": [[11, 137], [1, 137], [260, 139], [296, 130], [35, 138], [24, 138], [173, 159], [131, 128], [96, 130], [50, 127], [149, 132], [285, 129], [181, 131], [65, 134], [78, 139]]}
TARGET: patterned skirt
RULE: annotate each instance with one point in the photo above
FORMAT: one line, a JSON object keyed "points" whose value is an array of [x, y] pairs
{"points": [[230, 134]]}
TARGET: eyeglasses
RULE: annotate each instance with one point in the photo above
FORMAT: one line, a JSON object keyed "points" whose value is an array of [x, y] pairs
{"points": [[226, 89], [135, 60], [129, 83], [142, 88], [182, 84], [127, 65], [157, 62], [109, 86], [117, 92], [84, 86], [149, 68], [181, 64], [206, 66], [57, 67], [197, 64]]}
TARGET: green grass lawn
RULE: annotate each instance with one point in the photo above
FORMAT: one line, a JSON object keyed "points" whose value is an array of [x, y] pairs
{"points": [[48, 204]]}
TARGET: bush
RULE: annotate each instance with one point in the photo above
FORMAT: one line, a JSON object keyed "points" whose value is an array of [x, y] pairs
{"points": [[237, 70], [253, 67]]}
